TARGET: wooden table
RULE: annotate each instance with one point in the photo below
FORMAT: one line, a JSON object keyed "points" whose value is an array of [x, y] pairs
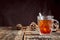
{"points": [[9, 34]]}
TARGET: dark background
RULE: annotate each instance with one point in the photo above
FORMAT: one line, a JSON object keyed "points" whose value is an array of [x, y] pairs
{"points": [[13, 12]]}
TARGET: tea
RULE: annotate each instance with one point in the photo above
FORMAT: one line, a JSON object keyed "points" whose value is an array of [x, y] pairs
{"points": [[45, 26]]}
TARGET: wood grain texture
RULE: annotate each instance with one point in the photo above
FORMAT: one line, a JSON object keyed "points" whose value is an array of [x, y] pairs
{"points": [[9, 34]]}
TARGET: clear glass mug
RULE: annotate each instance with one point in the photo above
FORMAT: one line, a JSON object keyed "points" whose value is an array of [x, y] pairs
{"points": [[46, 24]]}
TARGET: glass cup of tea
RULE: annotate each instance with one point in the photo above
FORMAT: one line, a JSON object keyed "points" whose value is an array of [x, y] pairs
{"points": [[46, 24]]}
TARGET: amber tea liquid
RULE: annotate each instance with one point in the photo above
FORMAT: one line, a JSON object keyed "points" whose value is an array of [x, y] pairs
{"points": [[45, 26]]}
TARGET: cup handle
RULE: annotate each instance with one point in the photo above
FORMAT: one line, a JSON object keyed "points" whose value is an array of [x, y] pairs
{"points": [[55, 25]]}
